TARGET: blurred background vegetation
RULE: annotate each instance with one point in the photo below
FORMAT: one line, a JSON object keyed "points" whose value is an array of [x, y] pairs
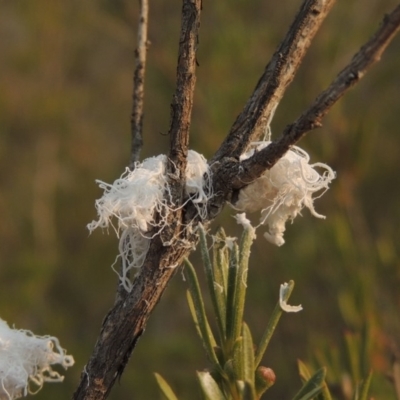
{"points": [[65, 100]]}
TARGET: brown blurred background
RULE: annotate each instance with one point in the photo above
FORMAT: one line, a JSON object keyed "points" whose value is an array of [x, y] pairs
{"points": [[65, 100]]}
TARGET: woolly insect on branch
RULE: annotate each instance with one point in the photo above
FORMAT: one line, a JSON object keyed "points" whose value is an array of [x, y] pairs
{"points": [[187, 196]]}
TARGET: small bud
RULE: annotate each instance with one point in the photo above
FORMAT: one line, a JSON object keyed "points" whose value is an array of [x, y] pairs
{"points": [[265, 378], [267, 374]]}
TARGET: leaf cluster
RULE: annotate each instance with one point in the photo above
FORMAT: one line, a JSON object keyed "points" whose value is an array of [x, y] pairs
{"points": [[236, 372]]}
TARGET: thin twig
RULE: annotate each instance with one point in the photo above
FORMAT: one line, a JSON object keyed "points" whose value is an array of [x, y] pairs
{"points": [[138, 84], [181, 112], [138, 96], [182, 101], [126, 321], [279, 73], [368, 54]]}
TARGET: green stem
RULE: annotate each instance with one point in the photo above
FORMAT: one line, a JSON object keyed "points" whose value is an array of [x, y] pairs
{"points": [[272, 323]]}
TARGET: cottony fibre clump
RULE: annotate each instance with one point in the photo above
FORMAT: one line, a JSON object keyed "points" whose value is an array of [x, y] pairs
{"points": [[140, 196], [26, 362], [137, 198], [281, 192]]}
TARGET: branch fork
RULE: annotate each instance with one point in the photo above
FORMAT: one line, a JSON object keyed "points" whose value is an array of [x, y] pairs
{"points": [[127, 320]]}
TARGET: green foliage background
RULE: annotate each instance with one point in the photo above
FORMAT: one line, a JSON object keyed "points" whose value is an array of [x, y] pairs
{"points": [[65, 100]]}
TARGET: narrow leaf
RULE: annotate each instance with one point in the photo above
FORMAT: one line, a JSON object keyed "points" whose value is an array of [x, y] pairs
{"points": [[304, 372], [220, 269], [245, 244], [272, 323], [165, 388], [196, 303], [364, 388], [194, 314], [305, 375], [325, 393], [221, 260], [238, 361], [246, 390], [229, 371], [241, 279], [312, 395], [210, 388], [366, 341], [231, 297], [213, 286], [353, 352], [312, 387], [248, 355]]}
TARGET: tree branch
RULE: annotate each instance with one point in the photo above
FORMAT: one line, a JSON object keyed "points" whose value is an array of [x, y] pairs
{"points": [[182, 101], [368, 54], [127, 320], [138, 85], [279, 73]]}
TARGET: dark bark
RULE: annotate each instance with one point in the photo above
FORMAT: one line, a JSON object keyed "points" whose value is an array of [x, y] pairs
{"points": [[182, 102], [278, 75], [126, 322], [368, 54], [138, 85]]}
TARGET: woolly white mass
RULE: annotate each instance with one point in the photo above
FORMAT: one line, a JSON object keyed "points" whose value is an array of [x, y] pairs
{"points": [[137, 197], [282, 192], [26, 360]]}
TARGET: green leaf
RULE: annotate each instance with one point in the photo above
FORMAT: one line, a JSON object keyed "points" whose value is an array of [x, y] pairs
{"points": [[245, 245], [238, 361], [194, 315], [364, 388], [229, 371], [241, 279], [214, 287], [366, 341], [197, 309], [272, 323], [248, 355], [325, 394], [243, 359], [311, 395], [231, 296], [220, 269], [210, 388], [304, 373], [353, 352], [165, 388], [246, 390], [312, 387], [221, 261]]}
